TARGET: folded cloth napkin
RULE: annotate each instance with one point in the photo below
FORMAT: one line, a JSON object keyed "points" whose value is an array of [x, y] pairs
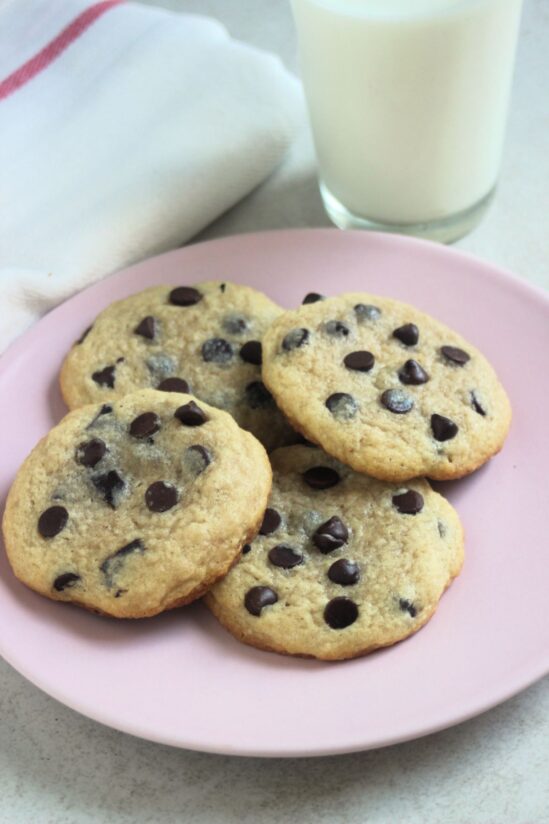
{"points": [[124, 130]]}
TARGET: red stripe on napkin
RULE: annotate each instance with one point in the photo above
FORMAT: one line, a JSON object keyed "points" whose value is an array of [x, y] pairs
{"points": [[54, 48]]}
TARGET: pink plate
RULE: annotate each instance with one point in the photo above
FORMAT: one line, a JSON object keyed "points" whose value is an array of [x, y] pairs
{"points": [[180, 678]]}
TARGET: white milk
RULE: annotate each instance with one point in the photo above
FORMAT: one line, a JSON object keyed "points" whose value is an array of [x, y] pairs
{"points": [[407, 100]]}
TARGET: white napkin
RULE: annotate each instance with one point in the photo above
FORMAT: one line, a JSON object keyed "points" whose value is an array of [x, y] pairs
{"points": [[124, 130]]}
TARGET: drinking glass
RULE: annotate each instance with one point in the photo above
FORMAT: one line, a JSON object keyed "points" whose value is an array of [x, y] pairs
{"points": [[408, 101]]}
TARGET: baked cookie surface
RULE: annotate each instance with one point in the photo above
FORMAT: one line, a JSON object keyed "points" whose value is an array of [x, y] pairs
{"points": [[204, 339], [343, 563], [385, 388], [136, 506]]}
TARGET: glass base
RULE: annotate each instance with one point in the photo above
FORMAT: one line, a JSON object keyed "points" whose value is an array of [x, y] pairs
{"points": [[445, 230]]}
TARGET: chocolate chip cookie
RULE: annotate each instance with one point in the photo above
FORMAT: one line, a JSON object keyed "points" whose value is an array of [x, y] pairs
{"points": [[342, 564], [204, 339], [136, 506], [385, 388]]}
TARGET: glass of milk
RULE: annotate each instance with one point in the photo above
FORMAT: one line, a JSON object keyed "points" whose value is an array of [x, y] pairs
{"points": [[408, 102]]}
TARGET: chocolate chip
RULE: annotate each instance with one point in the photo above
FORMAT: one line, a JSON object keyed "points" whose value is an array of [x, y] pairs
{"points": [[246, 548], [113, 564], [407, 334], [397, 401], [217, 350], [259, 597], [336, 328], [285, 556], [408, 503], [251, 352], [455, 355], [109, 485], [133, 546], [65, 581], [407, 606], [222, 287], [106, 409], [271, 522], [84, 335], [146, 328], [441, 529], [312, 297], [344, 572], [443, 428], [234, 324], [190, 414], [342, 406], [104, 377], [52, 521], [173, 385], [145, 425], [90, 452], [361, 361], [477, 406], [365, 311], [331, 535], [257, 395], [295, 339], [412, 373], [198, 457], [321, 477], [161, 496], [185, 296], [340, 613]]}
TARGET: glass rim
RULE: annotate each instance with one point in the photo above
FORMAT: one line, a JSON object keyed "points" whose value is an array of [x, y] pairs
{"points": [[381, 12]]}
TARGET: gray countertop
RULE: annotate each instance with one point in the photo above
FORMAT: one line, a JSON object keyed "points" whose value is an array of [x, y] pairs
{"points": [[57, 767]]}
